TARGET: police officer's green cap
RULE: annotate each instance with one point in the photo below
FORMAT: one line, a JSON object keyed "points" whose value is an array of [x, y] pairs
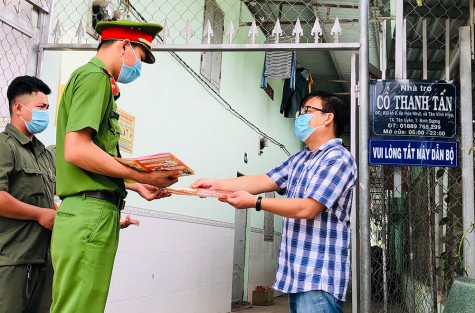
{"points": [[140, 33]]}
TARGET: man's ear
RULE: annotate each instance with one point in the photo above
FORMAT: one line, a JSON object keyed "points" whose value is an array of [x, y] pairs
{"points": [[16, 107], [329, 118], [125, 43]]}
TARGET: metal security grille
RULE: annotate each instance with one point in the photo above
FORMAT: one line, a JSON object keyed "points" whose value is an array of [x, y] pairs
{"points": [[417, 229], [13, 56], [183, 21], [442, 20], [416, 212], [11, 65], [246, 22], [21, 26], [234, 26]]}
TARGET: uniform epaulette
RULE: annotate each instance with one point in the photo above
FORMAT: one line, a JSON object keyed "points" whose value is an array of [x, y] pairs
{"points": [[114, 88]]}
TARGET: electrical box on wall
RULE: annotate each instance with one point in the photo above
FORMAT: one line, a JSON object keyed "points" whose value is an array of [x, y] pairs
{"points": [[99, 11]]}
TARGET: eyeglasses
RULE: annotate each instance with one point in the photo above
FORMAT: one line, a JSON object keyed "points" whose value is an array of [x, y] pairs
{"points": [[310, 110]]}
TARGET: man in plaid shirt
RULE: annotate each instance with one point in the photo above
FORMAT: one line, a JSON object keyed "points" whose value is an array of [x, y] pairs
{"points": [[314, 261]]}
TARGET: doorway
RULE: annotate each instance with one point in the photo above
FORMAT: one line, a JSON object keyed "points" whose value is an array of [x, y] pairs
{"points": [[239, 256]]}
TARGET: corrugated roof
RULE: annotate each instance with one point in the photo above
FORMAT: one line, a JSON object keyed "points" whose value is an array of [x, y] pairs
{"points": [[330, 69]]}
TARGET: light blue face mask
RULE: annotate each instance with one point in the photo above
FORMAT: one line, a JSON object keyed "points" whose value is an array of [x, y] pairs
{"points": [[302, 127], [39, 121], [129, 74]]}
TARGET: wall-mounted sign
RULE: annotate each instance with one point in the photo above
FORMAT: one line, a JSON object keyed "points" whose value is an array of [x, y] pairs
{"points": [[127, 127], [419, 117], [413, 152], [425, 109]]}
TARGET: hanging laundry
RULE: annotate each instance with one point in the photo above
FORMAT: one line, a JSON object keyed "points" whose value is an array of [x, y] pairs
{"points": [[279, 64], [310, 82], [308, 76], [292, 97]]}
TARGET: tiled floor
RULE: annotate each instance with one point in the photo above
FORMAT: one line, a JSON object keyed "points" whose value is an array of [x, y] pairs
{"points": [[280, 306]]}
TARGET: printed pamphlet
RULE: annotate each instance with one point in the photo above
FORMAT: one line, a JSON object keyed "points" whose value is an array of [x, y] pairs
{"points": [[200, 192], [157, 162]]}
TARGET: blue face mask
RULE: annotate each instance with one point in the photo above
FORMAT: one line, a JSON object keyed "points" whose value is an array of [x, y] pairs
{"points": [[302, 127], [129, 74], [39, 121]]}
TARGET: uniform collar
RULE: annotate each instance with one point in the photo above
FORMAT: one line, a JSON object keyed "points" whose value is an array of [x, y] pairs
{"points": [[326, 145], [97, 62], [22, 138]]}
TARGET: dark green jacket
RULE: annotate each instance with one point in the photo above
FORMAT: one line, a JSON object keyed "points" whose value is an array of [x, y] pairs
{"points": [[27, 172]]}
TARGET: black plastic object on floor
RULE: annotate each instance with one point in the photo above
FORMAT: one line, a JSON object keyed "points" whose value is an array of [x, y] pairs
{"points": [[239, 305]]}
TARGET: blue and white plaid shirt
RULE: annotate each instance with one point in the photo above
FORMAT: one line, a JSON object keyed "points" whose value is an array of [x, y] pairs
{"points": [[314, 253]]}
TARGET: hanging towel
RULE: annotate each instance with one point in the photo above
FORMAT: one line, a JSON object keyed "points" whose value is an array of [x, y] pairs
{"points": [[279, 64]]}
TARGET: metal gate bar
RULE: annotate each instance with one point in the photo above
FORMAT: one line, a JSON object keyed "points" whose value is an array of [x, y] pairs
{"points": [[467, 150]]}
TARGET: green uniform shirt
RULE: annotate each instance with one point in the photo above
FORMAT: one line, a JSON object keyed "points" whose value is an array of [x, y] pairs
{"points": [[87, 101], [26, 173]]}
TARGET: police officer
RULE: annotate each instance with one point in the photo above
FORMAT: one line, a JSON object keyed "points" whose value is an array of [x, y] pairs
{"points": [[90, 181], [26, 200]]}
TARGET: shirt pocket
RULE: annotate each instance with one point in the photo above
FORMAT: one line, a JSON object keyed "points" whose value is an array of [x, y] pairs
{"points": [[31, 182], [114, 135]]}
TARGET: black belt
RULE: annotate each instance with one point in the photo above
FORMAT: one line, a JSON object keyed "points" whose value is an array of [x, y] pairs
{"points": [[107, 196]]}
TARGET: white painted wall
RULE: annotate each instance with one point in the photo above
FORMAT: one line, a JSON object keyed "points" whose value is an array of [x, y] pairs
{"points": [[173, 266]]}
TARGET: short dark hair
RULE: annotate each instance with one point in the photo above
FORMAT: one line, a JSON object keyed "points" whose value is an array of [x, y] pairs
{"points": [[25, 85], [332, 104], [108, 42]]}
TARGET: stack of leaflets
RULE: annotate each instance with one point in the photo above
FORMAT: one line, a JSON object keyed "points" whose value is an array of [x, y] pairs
{"points": [[200, 192], [157, 162]]}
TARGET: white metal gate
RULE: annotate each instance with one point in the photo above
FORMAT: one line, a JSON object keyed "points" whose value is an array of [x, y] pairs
{"points": [[21, 27]]}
